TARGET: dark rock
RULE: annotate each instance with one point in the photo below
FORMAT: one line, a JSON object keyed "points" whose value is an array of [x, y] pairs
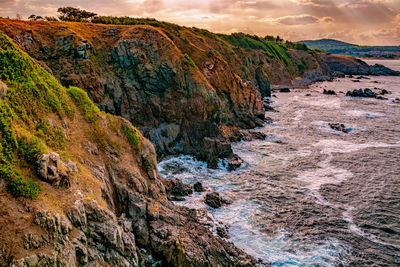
{"points": [[339, 127], [234, 163], [214, 200], [253, 135], [362, 77], [284, 90], [329, 92], [268, 120], [361, 93], [308, 95], [384, 92], [222, 232], [356, 81], [177, 189], [338, 74], [381, 97], [198, 187]]}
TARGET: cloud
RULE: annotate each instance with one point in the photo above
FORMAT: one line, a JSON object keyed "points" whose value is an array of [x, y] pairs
{"points": [[297, 20]]}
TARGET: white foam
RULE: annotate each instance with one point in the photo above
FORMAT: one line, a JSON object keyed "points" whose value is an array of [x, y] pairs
{"points": [[339, 146], [325, 174]]}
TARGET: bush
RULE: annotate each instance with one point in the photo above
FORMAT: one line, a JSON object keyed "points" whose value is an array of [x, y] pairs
{"points": [[88, 109], [30, 150], [20, 187]]}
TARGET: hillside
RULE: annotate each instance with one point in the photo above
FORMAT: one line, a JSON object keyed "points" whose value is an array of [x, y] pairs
{"points": [[343, 48], [79, 187]]}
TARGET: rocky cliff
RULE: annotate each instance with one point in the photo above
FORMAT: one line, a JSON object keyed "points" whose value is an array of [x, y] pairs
{"points": [[186, 89], [79, 187]]}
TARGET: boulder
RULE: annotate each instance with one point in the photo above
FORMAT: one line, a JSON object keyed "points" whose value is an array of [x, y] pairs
{"points": [[52, 170], [329, 92], [234, 163], [176, 189], [361, 93], [284, 90], [214, 200], [198, 187]]}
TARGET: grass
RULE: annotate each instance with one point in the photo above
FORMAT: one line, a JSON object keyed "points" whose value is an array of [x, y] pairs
{"points": [[189, 61], [133, 136], [87, 108], [252, 42]]}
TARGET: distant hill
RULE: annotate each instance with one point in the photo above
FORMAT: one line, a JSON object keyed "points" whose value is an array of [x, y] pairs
{"points": [[343, 48]]}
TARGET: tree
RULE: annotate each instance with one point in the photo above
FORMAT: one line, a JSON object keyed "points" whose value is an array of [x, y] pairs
{"points": [[269, 38], [50, 18], [18, 17], [278, 40], [75, 14], [35, 17]]}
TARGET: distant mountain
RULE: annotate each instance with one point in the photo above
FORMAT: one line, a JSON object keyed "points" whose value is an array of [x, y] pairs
{"points": [[338, 47]]}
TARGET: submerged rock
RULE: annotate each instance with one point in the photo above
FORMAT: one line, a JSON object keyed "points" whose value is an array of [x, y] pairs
{"points": [[339, 127]]}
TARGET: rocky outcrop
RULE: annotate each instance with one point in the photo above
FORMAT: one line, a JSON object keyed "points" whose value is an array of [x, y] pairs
{"points": [[53, 170], [353, 66]]}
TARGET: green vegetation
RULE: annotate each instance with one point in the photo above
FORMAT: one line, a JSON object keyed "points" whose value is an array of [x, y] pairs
{"points": [[252, 42], [132, 134], [135, 21], [21, 187], [32, 94], [189, 61], [87, 108]]}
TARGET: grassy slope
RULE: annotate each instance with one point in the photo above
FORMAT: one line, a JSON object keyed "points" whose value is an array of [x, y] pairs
{"points": [[180, 36], [34, 99]]}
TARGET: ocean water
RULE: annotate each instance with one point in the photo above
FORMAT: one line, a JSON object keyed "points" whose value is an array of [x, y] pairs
{"points": [[319, 197]]}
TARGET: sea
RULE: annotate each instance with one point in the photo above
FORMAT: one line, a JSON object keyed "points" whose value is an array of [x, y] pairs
{"points": [[309, 195]]}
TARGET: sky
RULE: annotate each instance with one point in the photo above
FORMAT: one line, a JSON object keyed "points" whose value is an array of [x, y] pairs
{"points": [[366, 22]]}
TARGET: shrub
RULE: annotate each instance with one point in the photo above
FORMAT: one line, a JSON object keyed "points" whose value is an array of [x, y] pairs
{"points": [[88, 109], [21, 187], [30, 150]]}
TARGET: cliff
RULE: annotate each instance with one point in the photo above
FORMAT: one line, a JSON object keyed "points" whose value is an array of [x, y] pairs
{"points": [[79, 187]]}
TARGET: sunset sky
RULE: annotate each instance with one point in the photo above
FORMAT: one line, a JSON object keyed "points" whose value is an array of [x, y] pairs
{"points": [[369, 22]]}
